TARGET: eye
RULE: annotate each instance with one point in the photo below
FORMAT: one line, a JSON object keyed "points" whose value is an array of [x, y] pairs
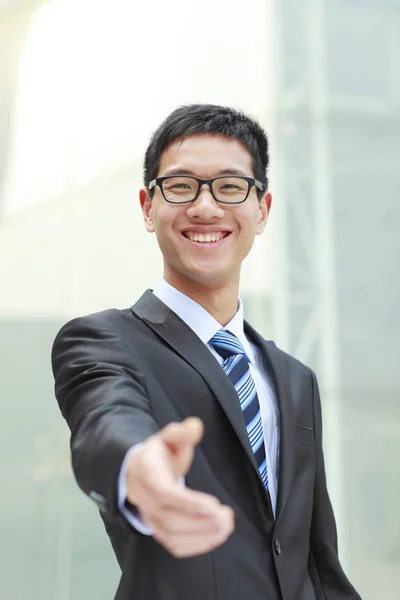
{"points": [[178, 185], [229, 186], [181, 186]]}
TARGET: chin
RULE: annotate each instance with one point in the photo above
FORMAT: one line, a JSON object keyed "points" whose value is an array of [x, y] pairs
{"points": [[208, 276]]}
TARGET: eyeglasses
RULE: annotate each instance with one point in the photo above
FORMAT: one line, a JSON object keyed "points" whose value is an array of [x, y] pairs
{"points": [[178, 189]]}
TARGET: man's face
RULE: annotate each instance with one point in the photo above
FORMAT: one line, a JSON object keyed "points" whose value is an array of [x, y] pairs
{"points": [[204, 263]]}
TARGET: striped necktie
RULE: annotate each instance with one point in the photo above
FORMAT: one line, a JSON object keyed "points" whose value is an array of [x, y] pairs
{"points": [[236, 366]]}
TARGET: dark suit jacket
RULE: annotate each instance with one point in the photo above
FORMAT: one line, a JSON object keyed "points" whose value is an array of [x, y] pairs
{"points": [[120, 375]]}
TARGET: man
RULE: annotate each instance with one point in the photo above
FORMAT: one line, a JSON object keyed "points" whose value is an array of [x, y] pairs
{"points": [[199, 441]]}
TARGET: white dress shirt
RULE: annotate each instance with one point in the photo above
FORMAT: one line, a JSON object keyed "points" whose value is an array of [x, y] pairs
{"points": [[205, 327]]}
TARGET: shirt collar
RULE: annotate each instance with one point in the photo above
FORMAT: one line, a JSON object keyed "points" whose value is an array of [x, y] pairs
{"points": [[198, 319]]}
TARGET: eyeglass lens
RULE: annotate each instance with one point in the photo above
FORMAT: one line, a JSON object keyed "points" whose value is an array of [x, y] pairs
{"points": [[184, 189]]}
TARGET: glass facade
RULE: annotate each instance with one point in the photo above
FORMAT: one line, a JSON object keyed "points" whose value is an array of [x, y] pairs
{"points": [[323, 77]]}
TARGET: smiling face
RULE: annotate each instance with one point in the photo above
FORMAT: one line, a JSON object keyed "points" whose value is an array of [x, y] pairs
{"points": [[204, 242]]}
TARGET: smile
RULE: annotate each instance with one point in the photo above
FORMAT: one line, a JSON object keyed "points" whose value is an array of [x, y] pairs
{"points": [[205, 238]]}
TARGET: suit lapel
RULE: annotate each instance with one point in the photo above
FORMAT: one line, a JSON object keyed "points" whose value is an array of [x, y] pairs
{"points": [[168, 326], [275, 365]]}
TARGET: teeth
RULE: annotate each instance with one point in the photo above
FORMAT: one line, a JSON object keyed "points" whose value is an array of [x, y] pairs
{"points": [[206, 237]]}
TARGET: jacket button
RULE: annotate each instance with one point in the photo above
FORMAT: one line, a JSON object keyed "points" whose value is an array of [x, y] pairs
{"points": [[277, 547]]}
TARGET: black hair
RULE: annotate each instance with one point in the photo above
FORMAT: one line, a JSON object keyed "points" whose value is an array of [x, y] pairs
{"points": [[208, 118]]}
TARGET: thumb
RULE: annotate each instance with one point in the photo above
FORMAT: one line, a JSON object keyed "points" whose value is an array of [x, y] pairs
{"points": [[180, 435], [181, 440]]}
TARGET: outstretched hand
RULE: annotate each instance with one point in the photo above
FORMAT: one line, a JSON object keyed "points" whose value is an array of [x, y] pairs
{"points": [[184, 521]]}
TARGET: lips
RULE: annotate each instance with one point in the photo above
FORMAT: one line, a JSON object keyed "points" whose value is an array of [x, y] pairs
{"points": [[205, 238], [205, 235]]}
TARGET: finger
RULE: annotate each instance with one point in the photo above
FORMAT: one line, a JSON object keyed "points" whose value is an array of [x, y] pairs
{"points": [[172, 523], [159, 487], [192, 545], [160, 498], [186, 433]]}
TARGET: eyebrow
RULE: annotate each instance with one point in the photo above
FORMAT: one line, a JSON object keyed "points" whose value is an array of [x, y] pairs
{"points": [[179, 171]]}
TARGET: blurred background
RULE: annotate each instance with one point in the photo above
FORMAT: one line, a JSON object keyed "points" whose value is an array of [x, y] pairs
{"points": [[83, 84]]}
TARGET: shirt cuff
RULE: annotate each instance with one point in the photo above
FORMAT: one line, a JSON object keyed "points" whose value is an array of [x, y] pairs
{"points": [[130, 514]]}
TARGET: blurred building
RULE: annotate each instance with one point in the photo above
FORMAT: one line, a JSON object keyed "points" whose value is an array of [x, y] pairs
{"points": [[82, 86], [338, 100]]}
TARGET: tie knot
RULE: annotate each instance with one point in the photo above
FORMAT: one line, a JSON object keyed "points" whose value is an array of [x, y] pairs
{"points": [[226, 344]]}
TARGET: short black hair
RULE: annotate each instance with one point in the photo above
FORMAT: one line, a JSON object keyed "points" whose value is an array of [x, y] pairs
{"points": [[209, 118]]}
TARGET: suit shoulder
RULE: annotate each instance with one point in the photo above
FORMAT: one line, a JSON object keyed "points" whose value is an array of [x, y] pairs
{"points": [[113, 318]]}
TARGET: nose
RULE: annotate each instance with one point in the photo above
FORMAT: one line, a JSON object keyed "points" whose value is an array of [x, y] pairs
{"points": [[205, 207]]}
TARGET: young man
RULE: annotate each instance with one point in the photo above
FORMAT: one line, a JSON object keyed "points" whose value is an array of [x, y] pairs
{"points": [[199, 441]]}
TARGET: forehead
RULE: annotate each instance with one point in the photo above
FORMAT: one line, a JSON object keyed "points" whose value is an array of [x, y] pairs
{"points": [[206, 155]]}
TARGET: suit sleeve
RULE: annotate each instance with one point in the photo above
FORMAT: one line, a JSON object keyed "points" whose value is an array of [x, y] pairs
{"points": [[102, 395], [329, 580], [131, 515]]}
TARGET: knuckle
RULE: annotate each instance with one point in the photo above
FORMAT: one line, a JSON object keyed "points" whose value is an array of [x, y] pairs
{"points": [[179, 552], [156, 522], [163, 525], [224, 536], [164, 533], [168, 526], [172, 547]]}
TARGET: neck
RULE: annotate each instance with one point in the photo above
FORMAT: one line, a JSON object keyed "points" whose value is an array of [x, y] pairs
{"points": [[218, 299]]}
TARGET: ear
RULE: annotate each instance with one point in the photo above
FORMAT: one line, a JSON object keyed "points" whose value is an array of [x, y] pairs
{"points": [[146, 204], [264, 207]]}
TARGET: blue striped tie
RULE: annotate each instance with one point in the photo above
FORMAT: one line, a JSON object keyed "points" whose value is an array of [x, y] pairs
{"points": [[236, 366]]}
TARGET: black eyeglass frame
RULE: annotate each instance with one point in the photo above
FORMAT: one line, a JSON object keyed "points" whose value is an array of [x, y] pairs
{"points": [[250, 181]]}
